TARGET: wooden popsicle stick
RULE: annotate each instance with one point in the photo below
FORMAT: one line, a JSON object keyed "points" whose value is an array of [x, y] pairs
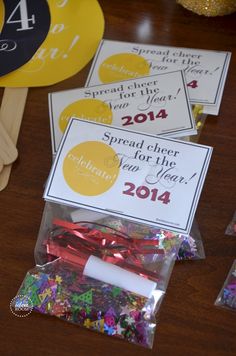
{"points": [[8, 151], [1, 164], [11, 113]]}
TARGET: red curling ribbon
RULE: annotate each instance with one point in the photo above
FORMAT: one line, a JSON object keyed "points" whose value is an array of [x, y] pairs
{"points": [[75, 243], [80, 259], [67, 254], [105, 240]]}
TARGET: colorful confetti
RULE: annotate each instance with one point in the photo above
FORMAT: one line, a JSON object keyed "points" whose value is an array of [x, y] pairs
{"points": [[231, 228], [56, 289], [227, 295], [188, 249], [191, 247]]}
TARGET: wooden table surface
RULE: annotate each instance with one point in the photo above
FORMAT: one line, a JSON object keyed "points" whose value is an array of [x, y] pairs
{"points": [[188, 323]]}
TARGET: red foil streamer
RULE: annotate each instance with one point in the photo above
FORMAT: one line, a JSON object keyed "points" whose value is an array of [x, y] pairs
{"points": [[75, 243]]}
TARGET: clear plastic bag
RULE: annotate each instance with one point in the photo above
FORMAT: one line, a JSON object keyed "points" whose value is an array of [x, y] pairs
{"points": [[100, 275], [231, 228], [227, 295], [60, 289], [191, 247], [200, 119]]}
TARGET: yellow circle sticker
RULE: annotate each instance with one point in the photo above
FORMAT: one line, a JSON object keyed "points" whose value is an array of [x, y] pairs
{"points": [[86, 171], [86, 109], [123, 66]]}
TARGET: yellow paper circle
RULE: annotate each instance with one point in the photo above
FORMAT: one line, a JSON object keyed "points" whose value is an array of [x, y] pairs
{"points": [[2, 14], [86, 109], [123, 66], [85, 169], [75, 32]]}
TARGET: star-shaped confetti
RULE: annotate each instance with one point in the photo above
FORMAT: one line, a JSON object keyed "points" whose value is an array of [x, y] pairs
{"points": [[119, 329], [58, 279], [87, 323], [125, 310], [129, 320], [109, 329], [75, 297]]}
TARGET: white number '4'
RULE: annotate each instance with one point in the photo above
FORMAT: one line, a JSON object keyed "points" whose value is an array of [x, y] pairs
{"points": [[24, 20]]}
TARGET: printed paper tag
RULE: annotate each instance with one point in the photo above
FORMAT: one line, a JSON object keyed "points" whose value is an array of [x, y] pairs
{"points": [[205, 70], [149, 179], [155, 104]]}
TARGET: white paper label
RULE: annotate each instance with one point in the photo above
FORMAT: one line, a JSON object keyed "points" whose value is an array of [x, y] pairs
{"points": [[141, 177], [157, 104], [205, 70]]}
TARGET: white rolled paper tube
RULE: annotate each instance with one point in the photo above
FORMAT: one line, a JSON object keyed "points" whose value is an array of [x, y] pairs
{"points": [[86, 215], [119, 277]]}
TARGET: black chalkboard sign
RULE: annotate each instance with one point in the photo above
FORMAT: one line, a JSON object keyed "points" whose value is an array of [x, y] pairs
{"points": [[26, 25]]}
